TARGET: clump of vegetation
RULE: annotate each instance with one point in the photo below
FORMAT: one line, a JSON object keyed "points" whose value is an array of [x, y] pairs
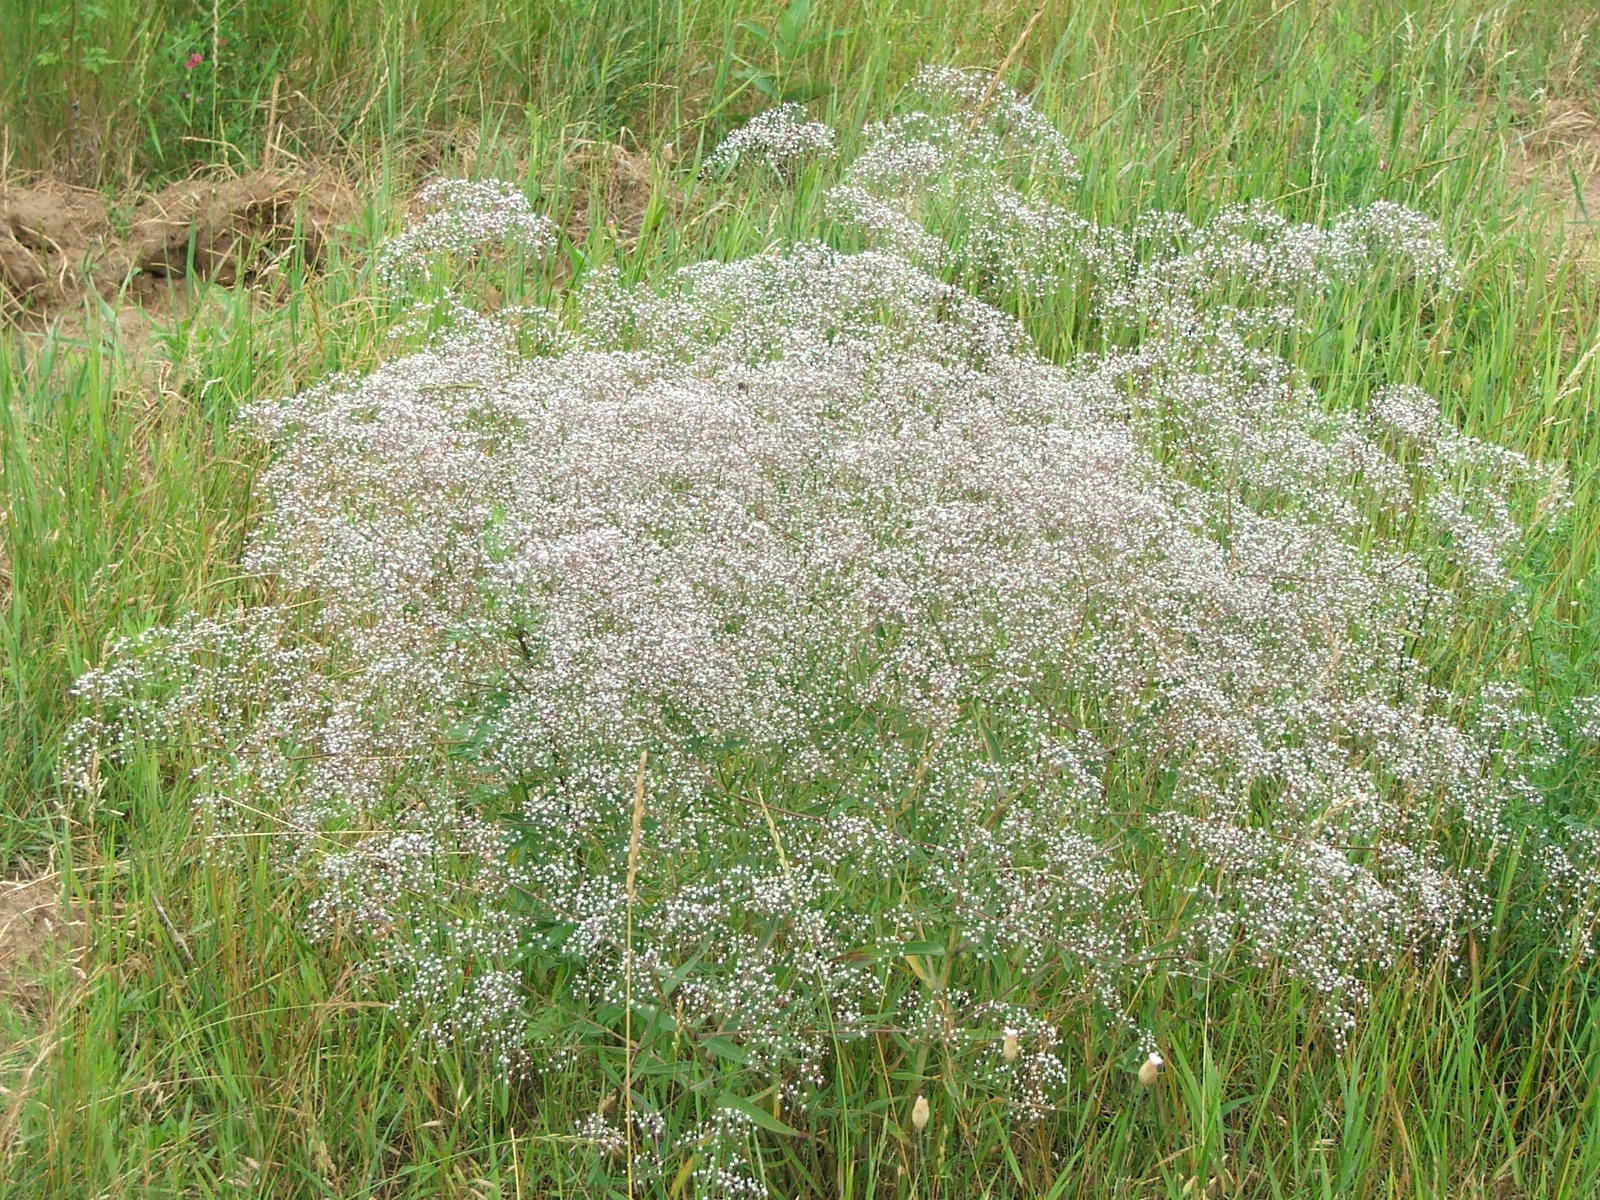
{"points": [[788, 657]]}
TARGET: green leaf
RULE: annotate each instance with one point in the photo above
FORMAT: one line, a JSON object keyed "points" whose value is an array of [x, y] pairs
{"points": [[647, 1068], [755, 31], [757, 1114], [803, 92], [764, 83], [576, 258], [723, 1048], [932, 949], [822, 39], [673, 981], [791, 24]]}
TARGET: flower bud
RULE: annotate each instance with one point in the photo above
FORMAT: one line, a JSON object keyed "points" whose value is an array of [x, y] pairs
{"points": [[1151, 1070], [919, 1114], [1010, 1049]]}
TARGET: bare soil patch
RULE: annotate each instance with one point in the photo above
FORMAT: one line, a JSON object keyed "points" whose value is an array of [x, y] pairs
{"points": [[36, 931], [59, 245]]}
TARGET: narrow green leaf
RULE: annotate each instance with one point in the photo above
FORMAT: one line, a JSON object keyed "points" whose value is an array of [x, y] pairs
{"points": [[757, 1114], [755, 31], [723, 1048]]}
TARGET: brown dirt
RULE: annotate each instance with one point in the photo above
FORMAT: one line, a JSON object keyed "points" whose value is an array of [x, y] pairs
{"points": [[59, 245], [36, 931], [48, 237]]}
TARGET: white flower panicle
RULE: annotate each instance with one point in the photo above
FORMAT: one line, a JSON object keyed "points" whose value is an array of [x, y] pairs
{"points": [[1585, 714], [779, 137], [977, 180], [460, 215], [970, 157]]}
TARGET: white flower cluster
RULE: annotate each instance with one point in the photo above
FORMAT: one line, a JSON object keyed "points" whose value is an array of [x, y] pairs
{"points": [[976, 180], [1585, 713], [952, 181], [778, 137], [459, 215], [938, 651]]}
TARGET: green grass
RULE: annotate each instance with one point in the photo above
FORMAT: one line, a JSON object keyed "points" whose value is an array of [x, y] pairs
{"points": [[212, 1052]]}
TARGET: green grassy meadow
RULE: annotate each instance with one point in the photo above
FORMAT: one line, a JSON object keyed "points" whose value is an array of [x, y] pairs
{"points": [[201, 1046]]}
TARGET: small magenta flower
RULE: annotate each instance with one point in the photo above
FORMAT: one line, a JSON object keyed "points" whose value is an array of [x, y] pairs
{"points": [[195, 60]]}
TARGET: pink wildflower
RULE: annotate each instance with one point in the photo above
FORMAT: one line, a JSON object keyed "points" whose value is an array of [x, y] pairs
{"points": [[195, 60]]}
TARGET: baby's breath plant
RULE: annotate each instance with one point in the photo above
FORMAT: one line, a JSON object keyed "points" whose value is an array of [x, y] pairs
{"points": [[777, 137], [934, 651], [461, 215]]}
